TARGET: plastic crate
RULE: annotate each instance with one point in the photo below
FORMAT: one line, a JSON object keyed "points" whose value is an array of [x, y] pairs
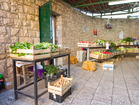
{"points": [[58, 98]]}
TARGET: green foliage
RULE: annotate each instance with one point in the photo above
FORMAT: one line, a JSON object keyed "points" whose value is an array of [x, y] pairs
{"points": [[51, 69], [122, 41], [26, 45], [113, 44], [128, 39]]}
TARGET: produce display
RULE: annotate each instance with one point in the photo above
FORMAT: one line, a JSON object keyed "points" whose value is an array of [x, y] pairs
{"points": [[60, 86], [61, 82]]}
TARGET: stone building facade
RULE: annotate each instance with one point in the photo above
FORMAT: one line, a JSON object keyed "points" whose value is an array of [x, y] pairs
{"points": [[19, 22]]}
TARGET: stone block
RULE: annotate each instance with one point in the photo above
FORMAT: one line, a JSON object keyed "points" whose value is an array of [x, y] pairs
{"points": [[2, 56], [36, 18], [3, 30], [2, 48], [7, 48], [29, 2], [3, 66], [29, 10], [30, 17], [26, 24], [37, 10], [14, 9], [1, 21], [12, 15], [27, 39], [22, 16], [35, 25], [9, 62], [3, 13], [10, 70], [20, 8], [8, 22], [25, 31], [14, 39], [36, 40], [33, 34], [5, 6], [18, 23], [16, 32], [5, 39], [37, 34]]}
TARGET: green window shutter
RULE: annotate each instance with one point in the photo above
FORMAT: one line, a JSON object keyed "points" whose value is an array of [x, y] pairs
{"points": [[45, 16]]}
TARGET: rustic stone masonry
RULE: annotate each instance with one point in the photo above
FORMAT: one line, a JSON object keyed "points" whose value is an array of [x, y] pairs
{"points": [[19, 22]]}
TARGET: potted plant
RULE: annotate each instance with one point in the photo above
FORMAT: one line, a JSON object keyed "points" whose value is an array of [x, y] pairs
{"points": [[132, 43], [108, 26], [128, 40], [51, 70]]}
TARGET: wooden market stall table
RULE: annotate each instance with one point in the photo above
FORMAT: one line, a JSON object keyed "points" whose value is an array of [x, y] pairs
{"points": [[88, 48], [36, 96]]}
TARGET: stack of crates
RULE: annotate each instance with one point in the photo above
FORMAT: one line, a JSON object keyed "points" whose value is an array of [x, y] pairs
{"points": [[81, 56]]}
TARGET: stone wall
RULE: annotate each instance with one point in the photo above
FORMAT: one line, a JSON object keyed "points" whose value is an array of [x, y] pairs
{"points": [[19, 22]]}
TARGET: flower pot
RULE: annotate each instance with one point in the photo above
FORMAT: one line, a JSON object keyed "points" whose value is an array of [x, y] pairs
{"points": [[101, 44], [131, 43], [47, 76], [127, 43], [51, 75]]}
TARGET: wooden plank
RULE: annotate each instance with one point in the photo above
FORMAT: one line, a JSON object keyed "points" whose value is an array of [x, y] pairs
{"points": [[42, 51], [41, 56], [25, 57]]}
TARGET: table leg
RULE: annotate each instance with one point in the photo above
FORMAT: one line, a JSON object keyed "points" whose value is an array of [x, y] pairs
{"points": [[17, 70], [69, 65], [35, 84], [88, 54], [24, 74], [15, 79]]}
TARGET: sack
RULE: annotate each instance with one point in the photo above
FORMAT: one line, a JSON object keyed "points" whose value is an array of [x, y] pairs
{"points": [[88, 65], [73, 60], [92, 66], [85, 65]]}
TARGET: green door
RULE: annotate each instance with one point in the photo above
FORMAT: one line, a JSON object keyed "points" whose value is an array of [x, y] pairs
{"points": [[46, 22]]}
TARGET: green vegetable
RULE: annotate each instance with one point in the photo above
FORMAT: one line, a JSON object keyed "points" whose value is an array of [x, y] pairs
{"points": [[113, 44], [122, 41], [38, 46], [128, 39]]}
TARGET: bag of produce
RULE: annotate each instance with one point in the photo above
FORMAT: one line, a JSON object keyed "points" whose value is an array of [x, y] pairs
{"points": [[92, 66], [85, 65], [73, 60]]}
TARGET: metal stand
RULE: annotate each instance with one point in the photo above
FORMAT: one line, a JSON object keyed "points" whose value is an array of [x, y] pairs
{"points": [[36, 96]]}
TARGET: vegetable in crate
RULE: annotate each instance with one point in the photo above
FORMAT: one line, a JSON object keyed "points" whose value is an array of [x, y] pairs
{"points": [[26, 45]]}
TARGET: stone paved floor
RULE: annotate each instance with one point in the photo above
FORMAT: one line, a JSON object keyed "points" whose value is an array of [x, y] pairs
{"points": [[102, 87]]}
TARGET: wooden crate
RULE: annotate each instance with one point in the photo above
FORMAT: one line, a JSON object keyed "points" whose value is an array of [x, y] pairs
{"points": [[56, 52], [64, 50], [84, 44], [32, 51], [95, 56], [60, 90]]}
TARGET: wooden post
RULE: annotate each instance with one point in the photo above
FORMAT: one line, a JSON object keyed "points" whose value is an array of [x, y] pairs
{"points": [[24, 74]]}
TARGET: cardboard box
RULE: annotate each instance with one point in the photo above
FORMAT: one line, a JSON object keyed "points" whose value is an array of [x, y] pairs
{"points": [[9, 81], [108, 66]]}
